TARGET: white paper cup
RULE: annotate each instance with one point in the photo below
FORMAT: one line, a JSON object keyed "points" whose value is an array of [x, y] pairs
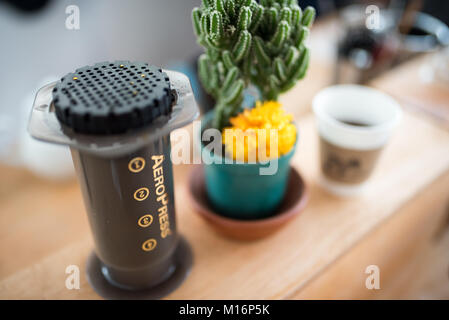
{"points": [[348, 151]]}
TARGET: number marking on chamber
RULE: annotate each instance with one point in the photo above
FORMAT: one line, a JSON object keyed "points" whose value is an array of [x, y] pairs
{"points": [[141, 194], [136, 165], [145, 221], [149, 245]]}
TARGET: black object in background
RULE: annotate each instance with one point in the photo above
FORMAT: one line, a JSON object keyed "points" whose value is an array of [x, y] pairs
{"points": [[437, 8], [28, 5]]}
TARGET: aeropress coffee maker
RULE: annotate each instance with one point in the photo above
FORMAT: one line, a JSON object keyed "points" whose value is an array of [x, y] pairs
{"points": [[117, 118]]}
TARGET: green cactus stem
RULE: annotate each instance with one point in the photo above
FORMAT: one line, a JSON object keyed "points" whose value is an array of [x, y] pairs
{"points": [[247, 42]]}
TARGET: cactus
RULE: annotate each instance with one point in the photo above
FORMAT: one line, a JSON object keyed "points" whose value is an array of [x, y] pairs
{"points": [[249, 42]]}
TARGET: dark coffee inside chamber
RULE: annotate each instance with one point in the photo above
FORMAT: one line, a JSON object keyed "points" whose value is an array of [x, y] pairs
{"points": [[356, 123]]}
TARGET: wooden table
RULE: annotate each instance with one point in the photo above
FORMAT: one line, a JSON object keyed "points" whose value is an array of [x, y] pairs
{"points": [[43, 227]]}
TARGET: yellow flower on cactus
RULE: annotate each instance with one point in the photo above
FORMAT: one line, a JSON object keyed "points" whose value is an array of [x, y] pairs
{"points": [[250, 136]]}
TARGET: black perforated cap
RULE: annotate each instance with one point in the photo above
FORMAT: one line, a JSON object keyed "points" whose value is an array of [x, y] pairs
{"points": [[112, 97]]}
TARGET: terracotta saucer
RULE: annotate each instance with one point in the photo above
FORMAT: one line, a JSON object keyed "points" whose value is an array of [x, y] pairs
{"points": [[294, 202]]}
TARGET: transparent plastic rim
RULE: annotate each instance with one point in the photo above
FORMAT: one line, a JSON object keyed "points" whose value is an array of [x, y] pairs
{"points": [[44, 125]]}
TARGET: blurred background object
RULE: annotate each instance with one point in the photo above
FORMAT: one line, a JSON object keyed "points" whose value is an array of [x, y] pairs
{"points": [[419, 32], [363, 52], [36, 43], [403, 31], [28, 5]]}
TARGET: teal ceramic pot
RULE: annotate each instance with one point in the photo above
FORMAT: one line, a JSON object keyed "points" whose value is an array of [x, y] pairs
{"points": [[239, 191]]}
